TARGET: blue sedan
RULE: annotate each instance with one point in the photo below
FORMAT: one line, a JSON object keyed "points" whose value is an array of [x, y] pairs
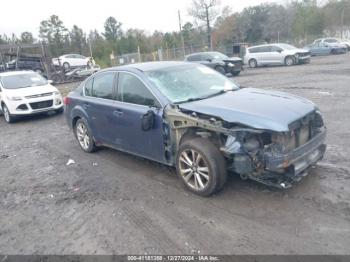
{"points": [[192, 117], [322, 48]]}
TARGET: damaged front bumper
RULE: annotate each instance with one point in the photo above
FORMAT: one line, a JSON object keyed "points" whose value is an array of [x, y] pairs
{"points": [[284, 169]]}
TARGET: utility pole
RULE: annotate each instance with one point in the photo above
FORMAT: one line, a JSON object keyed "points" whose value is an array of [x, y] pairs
{"points": [[342, 23], [182, 37]]}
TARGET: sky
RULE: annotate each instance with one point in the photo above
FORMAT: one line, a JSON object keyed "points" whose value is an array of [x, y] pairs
{"points": [[149, 15]]}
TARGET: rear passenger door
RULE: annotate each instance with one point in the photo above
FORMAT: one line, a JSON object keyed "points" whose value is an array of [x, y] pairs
{"points": [[100, 93]]}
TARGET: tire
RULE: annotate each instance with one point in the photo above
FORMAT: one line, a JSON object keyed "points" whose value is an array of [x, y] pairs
{"points": [[7, 115], [84, 136], [289, 61], [59, 111], [66, 66], [205, 156], [253, 63], [235, 73], [221, 70]]}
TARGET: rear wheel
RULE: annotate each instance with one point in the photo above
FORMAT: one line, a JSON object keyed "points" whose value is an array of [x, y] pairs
{"points": [[201, 166], [84, 136], [253, 63], [8, 117]]}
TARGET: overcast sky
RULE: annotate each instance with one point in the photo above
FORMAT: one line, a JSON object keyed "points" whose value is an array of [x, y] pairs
{"points": [[25, 15]]}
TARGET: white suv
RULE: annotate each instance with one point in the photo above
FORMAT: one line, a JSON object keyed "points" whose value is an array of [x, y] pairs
{"points": [[275, 54], [26, 93]]}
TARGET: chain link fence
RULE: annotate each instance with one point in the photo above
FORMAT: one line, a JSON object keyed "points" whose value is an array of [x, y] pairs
{"points": [[170, 54]]}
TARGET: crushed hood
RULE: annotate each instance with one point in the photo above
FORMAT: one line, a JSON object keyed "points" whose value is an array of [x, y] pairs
{"points": [[256, 108]]}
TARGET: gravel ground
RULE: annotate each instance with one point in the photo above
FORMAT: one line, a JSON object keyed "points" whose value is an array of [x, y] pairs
{"points": [[113, 203]]}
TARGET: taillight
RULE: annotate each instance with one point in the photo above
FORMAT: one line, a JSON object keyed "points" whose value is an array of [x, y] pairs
{"points": [[66, 100]]}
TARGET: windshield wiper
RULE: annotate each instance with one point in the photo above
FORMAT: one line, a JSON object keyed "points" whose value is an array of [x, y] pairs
{"points": [[190, 100], [204, 97]]}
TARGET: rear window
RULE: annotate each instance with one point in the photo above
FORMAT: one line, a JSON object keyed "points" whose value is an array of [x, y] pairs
{"points": [[22, 80]]}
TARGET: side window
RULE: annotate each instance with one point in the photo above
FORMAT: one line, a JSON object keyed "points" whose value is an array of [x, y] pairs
{"points": [[194, 58], [132, 90], [265, 49], [276, 49], [88, 87], [103, 86], [254, 50]]}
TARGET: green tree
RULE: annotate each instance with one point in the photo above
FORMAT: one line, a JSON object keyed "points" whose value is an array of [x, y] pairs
{"points": [[53, 32], [27, 38], [77, 39], [309, 20], [113, 29]]}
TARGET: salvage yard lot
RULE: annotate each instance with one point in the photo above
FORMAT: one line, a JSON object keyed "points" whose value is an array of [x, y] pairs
{"points": [[113, 203]]}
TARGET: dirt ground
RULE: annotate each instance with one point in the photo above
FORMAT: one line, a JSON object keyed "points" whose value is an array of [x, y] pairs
{"points": [[113, 203]]}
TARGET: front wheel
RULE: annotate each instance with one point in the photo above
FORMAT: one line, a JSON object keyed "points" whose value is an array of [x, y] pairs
{"points": [[289, 61], [201, 166], [220, 69], [235, 73], [59, 111], [84, 136], [8, 117]]}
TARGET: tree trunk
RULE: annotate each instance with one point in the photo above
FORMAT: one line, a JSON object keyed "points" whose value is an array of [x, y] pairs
{"points": [[208, 27]]}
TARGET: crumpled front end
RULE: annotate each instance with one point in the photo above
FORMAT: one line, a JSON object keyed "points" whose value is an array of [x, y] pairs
{"points": [[278, 159]]}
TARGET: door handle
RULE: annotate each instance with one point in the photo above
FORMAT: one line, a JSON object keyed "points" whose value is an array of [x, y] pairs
{"points": [[118, 112]]}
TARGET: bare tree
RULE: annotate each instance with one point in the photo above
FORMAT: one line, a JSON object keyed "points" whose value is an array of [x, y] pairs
{"points": [[206, 11]]}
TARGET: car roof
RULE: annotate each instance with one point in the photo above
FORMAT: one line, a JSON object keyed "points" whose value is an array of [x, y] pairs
{"points": [[150, 66], [13, 73], [260, 45]]}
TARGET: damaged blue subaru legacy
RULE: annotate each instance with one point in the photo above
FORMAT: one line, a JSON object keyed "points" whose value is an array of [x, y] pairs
{"points": [[194, 118]]}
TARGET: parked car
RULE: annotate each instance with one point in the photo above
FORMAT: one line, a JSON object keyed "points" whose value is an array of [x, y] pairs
{"points": [[26, 63], [275, 54], [26, 93], [72, 60], [218, 61], [333, 42], [324, 48], [190, 116]]}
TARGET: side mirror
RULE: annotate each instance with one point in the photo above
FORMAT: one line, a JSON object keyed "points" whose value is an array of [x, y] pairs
{"points": [[147, 121]]}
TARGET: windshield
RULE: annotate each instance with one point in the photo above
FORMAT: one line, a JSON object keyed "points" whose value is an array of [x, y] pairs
{"points": [[188, 83], [331, 40], [217, 55], [22, 80], [287, 47]]}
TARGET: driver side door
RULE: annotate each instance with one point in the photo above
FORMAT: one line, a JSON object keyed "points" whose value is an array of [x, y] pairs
{"points": [[134, 101]]}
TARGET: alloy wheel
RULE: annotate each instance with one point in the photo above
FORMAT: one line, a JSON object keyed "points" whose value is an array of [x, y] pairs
{"points": [[83, 136], [194, 169]]}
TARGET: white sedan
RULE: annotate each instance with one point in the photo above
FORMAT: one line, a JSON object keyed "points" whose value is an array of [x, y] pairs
{"points": [[25, 93], [72, 60]]}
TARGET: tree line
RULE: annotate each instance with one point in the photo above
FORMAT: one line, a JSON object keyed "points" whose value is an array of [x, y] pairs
{"points": [[213, 25]]}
